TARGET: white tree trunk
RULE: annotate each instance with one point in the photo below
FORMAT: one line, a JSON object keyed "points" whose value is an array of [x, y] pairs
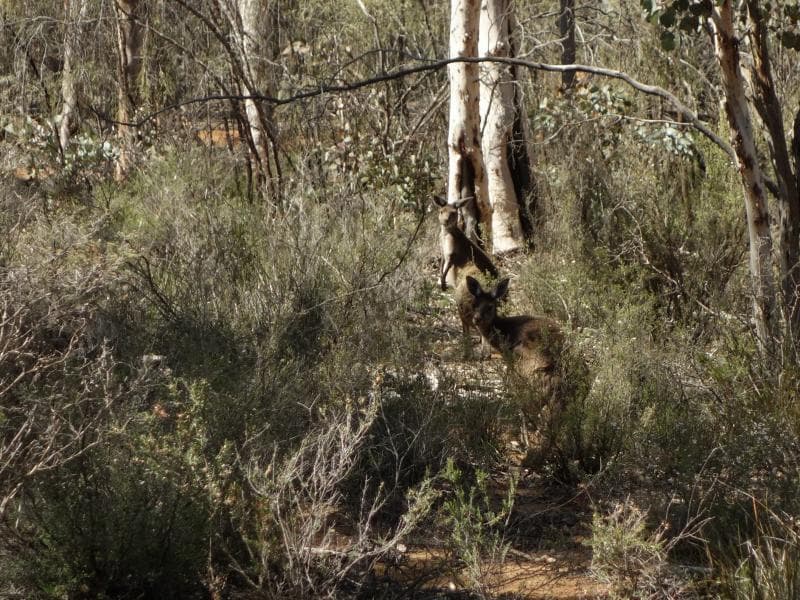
{"points": [[130, 42], [254, 32], [726, 46], [74, 13], [250, 25], [466, 175], [497, 94]]}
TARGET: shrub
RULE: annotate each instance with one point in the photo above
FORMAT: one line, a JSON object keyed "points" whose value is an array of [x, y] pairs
{"points": [[476, 527], [98, 492], [308, 540], [766, 567], [126, 520], [635, 561]]}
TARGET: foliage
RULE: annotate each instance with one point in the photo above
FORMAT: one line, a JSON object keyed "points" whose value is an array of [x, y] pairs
{"points": [[477, 537], [303, 500], [205, 394], [767, 565], [87, 156], [682, 17], [633, 559], [129, 519]]}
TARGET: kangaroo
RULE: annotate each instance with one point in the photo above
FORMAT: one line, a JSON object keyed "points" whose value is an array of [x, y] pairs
{"points": [[465, 311], [461, 258], [458, 251], [534, 348], [531, 344]]}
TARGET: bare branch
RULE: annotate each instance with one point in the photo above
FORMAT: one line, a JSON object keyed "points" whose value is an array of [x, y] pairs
{"points": [[342, 87]]}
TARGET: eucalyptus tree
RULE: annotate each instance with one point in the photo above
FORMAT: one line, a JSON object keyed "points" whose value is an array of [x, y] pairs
{"points": [[74, 14], [249, 22], [501, 112], [466, 170], [743, 34], [131, 26]]}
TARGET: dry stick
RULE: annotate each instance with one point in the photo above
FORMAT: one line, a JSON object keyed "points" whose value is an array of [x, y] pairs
{"points": [[334, 88]]}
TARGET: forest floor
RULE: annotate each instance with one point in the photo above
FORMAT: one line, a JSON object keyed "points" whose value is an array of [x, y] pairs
{"points": [[553, 565], [548, 557]]}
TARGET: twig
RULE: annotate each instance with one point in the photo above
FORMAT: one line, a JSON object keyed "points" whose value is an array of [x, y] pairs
{"points": [[433, 65]]}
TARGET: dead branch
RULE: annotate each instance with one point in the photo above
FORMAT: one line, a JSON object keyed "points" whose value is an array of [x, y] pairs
{"points": [[340, 87]]}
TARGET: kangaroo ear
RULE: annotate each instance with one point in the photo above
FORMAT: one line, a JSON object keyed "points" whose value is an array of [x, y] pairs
{"points": [[473, 286], [439, 200], [501, 289], [460, 203]]}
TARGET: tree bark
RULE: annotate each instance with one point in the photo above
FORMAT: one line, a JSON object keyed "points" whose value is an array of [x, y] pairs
{"points": [[742, 139], [466, 173], [796, 148], [130, 16], [498, 115], [251, 34], [252, 40], [566, 28], [74, 13], [769, 109]]}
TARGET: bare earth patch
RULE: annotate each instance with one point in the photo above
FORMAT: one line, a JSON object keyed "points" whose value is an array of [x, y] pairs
{"points": [[548, 558]]}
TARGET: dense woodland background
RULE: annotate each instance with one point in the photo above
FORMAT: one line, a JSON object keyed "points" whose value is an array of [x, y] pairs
{"points": [[232, 374]]}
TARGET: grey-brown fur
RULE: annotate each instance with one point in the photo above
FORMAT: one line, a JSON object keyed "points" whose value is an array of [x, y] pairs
{"points": [[465, 309], [533, 348], [458, 252], [532, 344]]}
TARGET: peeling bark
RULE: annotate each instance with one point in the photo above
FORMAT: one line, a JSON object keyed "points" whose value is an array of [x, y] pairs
{"points": [[466, 173], [742, 139], [498, 115], [769, 109]]}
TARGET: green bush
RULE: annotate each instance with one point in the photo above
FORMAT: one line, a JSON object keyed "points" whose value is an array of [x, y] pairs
{"points": [[234, 335], [766, 566], [477, 527], [633, 559], [126, 520]]}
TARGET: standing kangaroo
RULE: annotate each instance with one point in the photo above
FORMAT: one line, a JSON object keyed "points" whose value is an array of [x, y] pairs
{"points": [[531, 344], [533, 347], [461, 258], [458, 251]]}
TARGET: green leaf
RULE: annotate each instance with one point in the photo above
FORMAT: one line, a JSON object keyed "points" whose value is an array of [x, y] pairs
{"points": [[654, 16], [668, 42], [790, 40], [689, 23], [668, 18]]}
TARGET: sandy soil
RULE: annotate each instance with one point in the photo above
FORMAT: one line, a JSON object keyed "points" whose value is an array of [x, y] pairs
{"points": [[548, 558]]}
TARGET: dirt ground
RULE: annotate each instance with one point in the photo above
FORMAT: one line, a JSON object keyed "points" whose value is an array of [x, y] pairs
{"points": [[548, 558], [558, 575]]}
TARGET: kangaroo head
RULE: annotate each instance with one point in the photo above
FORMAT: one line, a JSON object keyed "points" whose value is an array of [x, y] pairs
{"points": [[448, 213], [484, 302]]}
